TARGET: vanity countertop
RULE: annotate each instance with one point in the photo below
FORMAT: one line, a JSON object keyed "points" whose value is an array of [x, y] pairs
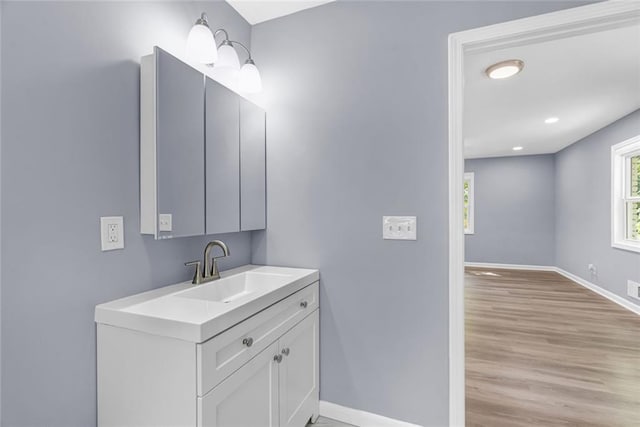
{"points": [[196, 313]]}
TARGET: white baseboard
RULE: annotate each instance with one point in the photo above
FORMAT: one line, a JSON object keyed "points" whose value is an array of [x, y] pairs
{"points": [[357, 417], [625, 303], [510, 266]]}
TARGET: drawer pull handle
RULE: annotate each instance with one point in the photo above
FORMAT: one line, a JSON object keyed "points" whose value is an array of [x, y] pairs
{"points": [[286, 351], [248, 342], [304, 304], [277, 358]]}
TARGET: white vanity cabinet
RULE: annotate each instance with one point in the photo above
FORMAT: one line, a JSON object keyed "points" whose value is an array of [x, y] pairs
{"points": [[262, 371], [278, 387]]}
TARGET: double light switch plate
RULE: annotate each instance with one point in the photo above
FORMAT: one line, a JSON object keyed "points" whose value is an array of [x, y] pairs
{"points": [[399, 227]]}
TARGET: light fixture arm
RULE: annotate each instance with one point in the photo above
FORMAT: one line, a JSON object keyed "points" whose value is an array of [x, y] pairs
{"points": [[223, 31], [230, 42], [245, 48]]}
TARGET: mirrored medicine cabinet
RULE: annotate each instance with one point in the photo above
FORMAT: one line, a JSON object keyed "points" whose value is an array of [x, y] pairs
{"points": [[202, 153]]}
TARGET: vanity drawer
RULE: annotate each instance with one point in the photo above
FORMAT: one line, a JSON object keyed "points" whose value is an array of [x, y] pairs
{"points": [[222, 355]]}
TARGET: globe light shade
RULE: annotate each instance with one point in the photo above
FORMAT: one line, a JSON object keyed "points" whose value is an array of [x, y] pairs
{"points": [[227, 57], [201, 46], [249, 79]]}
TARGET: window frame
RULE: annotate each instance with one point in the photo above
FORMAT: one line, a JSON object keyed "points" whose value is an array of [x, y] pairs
{"points": [[470, 177], [621, 155]]}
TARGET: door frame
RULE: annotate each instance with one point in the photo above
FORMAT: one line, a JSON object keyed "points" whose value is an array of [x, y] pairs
{"points": [[550, 26]]}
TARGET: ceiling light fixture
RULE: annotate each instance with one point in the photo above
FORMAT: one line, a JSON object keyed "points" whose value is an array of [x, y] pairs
{"points": [[551, 120], [517, 148], [505, 69], [201, 48]]}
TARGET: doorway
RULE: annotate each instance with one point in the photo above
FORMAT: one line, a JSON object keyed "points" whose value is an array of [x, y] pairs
{"points": [[558, 25]]}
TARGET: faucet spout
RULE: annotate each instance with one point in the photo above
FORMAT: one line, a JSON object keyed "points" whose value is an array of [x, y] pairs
{"points": [[210, 265]]}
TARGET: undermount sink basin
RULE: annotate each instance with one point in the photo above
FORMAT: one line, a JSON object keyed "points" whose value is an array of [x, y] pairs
{"points": [[198, 312], [233, 288]]}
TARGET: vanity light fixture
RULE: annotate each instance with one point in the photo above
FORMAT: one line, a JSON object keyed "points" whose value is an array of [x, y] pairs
{"points": [[505, 69], [201, 45], [551, 120], [201, 48], [227, 55], [517, 148]]}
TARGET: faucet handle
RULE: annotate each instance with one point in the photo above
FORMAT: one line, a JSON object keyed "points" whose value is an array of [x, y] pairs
{"points": [[197, 277], [215, 272]]}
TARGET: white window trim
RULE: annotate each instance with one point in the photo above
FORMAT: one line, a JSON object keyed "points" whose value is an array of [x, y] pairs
{"points": [[470, 176], [619, 158]]}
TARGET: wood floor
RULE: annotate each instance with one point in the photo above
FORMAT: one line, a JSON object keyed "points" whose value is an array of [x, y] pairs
{"points": [[544, 351]]}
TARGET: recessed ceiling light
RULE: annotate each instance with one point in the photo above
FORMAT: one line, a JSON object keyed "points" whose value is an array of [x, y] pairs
{"points": [[551, 120], [517, 148], [505, 69]]}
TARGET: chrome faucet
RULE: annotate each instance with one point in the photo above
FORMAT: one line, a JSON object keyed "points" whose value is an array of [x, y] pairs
{"points": [[211, 271]]}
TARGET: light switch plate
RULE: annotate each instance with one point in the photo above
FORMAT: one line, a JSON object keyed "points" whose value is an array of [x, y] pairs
{"points": [[112, 232], [399, 227], [165, 222]]}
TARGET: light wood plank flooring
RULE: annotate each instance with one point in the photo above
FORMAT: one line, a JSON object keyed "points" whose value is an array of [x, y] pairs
{"points": [[544, 351]]}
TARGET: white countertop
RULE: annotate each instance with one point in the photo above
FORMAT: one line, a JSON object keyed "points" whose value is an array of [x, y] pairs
{"points": [[193, 313]]}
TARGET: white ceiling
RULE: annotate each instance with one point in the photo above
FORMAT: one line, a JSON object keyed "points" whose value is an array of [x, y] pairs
{"points": [[256, 11], [587, 81]]}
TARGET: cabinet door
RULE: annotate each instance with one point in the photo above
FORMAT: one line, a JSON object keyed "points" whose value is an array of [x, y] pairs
{"points": [[222, 148], [299, 398], [180, 145], [248, 398], [252, 167]]}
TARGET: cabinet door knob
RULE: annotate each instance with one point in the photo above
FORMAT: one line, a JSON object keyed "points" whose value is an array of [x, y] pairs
{"points": [[304, 304], [248, 342], [286, 351], [277, 358]]}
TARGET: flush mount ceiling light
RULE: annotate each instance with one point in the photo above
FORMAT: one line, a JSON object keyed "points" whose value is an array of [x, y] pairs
{"points": [[201, 48], [505, 69], [517, 148], [551, 120]]}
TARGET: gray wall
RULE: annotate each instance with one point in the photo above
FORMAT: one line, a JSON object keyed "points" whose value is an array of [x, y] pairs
{"points": [[356, 95], [70, 138], [565, 202], [514, 210], [583, 218]]}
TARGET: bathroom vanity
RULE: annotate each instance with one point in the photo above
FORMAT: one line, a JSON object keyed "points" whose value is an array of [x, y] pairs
{"points": [[239, 351]]}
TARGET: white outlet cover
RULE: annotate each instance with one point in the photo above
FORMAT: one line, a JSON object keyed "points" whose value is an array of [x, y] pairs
{"points": [[108, 223], [399, 227], [165, 222], [633, 289]]}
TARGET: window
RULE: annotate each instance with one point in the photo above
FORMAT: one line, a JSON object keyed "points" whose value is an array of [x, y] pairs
{"points": [[625, 195], [468, 203]]}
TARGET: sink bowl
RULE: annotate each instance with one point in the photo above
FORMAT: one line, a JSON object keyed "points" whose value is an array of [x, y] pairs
{"points": [[197, 313], [234, 288]]}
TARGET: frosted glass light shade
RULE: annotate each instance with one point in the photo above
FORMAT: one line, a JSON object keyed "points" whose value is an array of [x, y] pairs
{"points": [[249, 78], [201, 46], [227, 57]]}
